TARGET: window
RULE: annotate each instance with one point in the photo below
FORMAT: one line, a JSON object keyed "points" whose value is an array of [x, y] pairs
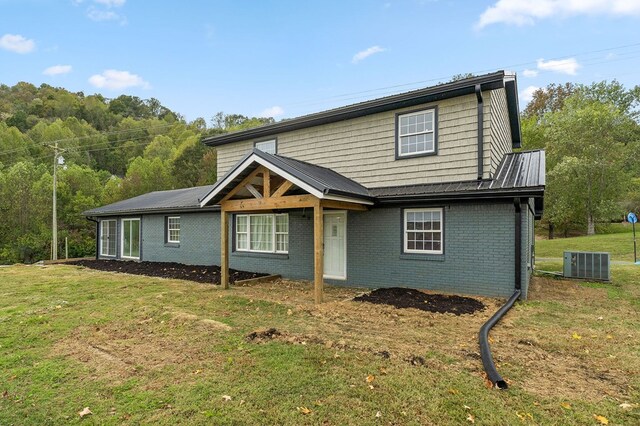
{"points": [[423, 231], [264, 233], [131, 238], [416, 133], [173, 229], [108, 238], [267, 146]]}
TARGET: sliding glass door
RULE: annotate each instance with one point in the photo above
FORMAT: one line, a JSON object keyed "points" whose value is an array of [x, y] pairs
{"points": [[131, 238]]}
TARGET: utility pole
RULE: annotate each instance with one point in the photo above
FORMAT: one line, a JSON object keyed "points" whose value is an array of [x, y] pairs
{"points": [[54, 242]]}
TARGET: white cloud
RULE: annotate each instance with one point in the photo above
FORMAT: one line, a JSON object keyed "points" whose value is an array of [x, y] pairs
{"points": [[366, 53], [274, 111], [116, 80], [105, 15], [111, 3], [563, 66], [529, 73], [527, 94], [526, 12], [17, 43], [57, 70]]}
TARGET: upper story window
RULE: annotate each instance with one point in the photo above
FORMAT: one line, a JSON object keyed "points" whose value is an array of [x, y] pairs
{"points": [[267, 146], [416, 133], [173, 229]]}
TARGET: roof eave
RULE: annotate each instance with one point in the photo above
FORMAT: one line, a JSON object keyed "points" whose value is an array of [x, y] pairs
{"points": [[534, 192], [459, 88], [90, 213]]}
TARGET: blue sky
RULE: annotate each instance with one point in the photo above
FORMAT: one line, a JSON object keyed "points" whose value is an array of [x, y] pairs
{"points": [[288, 58]]}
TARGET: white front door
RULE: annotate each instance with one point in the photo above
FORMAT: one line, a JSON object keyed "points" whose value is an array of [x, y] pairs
{"points": [[335, 245]]}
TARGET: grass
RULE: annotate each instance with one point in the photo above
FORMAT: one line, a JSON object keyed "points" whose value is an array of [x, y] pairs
{"points": [[139, 350], [619, 244]]}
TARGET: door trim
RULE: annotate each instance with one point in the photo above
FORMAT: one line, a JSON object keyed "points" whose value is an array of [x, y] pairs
{"points": [[342, 213]]}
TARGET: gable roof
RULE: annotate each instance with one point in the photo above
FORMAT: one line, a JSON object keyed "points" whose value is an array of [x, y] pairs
{"points": [[519, 174], [158, 201], [496, 80], [319, 181]]}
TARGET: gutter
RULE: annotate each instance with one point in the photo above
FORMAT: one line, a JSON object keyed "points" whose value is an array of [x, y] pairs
{"points": [[478, 90], [97, 234], [483, 336]]}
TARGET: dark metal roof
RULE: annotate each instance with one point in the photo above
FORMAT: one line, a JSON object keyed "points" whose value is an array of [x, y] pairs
{"points": [[519, 173], [157, 201], [320, 178], [462, 87]]}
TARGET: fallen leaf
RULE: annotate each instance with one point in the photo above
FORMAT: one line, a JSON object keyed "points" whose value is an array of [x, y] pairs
{"points": [[197, 372], [466, 407], [370, 378], [565, 405], [600, 318], [371, 387], [304, 410], [626, 406], [471, 418], [85, 412], [289, 312], [602, 419], [226, 398], [378, 414], [576, 336], [609, 336], [383, 370], [454, 391]]}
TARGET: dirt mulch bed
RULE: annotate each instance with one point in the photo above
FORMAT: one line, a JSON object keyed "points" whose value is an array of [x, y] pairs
{"points": [[410, 298], [197, 273]]}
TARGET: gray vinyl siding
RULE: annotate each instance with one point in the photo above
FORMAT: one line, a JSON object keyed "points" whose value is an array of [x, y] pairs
{"points": [[364, 148], [500, 129]]}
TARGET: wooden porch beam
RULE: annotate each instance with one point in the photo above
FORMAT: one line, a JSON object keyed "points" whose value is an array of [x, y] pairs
{"points": [[286, 202], [286, 185], [266, 183], [241, 185], [252, 189], [318, 250], [224, 249], [343, 205]]}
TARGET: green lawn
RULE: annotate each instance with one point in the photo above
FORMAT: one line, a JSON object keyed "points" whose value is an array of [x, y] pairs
{"points": [[619, 244], [139, 350]]}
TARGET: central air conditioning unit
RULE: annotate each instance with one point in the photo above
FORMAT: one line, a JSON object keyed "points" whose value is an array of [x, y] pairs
{"points": [[587, 265]]}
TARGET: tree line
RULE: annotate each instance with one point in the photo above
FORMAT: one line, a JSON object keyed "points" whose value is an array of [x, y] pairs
{"points": [[113, 149], [592, 140]]}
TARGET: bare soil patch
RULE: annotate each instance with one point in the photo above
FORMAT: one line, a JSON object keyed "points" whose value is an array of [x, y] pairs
{"points": [[410, 298], [197, 273]]}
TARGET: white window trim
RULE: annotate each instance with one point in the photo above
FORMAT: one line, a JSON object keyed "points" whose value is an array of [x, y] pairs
{"points": [[405, 231], [275, 145], [122, 238], [399, 136], [169, 240], [248, 233], [112, 222]]}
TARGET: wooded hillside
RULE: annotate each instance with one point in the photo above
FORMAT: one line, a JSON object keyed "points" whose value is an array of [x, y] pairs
{"points": [[112, 148]]}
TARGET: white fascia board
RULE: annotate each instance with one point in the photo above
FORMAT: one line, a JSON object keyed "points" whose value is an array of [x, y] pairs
{"points": [[347, 199], [311, 190], [228, 179]]}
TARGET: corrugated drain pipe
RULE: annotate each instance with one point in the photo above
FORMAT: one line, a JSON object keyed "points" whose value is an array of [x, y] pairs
{"points": [[483, 337], [97, 234], [485, 350]]}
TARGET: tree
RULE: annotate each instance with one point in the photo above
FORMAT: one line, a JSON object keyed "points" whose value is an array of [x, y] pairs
{"points": [[586, 152], [549, 99]]}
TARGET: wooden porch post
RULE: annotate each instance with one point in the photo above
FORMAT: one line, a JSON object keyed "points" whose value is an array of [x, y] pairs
{"points": [[318, 244], [224, 249]]}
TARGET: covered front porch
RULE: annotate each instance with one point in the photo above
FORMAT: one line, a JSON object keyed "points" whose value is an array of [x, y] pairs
{"points": [[263, 183]]}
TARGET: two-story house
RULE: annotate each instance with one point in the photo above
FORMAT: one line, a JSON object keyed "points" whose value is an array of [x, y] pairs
{"points": [[420, 189]]}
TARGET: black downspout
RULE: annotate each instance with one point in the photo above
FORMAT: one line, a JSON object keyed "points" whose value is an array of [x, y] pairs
{"points": [[518, 244], [97, 234], [480, 132], [483, 336]]}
